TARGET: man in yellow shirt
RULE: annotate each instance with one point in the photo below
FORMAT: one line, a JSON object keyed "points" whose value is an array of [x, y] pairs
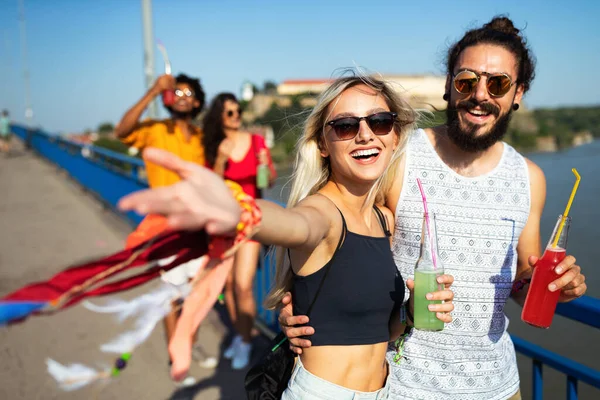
{"points": [[176, 134], [179, 136]]}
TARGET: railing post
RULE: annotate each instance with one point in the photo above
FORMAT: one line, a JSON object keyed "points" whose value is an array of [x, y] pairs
{"points": [[134, 172], [28, 137], [571, 388], [538, 380], [260, 283]]}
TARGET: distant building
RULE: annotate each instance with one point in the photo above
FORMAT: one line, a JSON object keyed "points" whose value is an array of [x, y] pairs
{"points": [[423, 91], [299, 86], [261, 103], [247, 91], [265, 131], [82, 138]]}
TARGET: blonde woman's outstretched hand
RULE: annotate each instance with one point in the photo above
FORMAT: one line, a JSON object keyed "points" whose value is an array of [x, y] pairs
{"points": [[201, 200]]}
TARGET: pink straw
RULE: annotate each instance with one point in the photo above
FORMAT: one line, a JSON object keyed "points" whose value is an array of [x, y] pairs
{"points": [[431, 239]]}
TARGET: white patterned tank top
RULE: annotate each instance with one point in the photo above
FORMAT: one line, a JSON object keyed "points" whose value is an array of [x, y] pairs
{"points": [[479, 221]]}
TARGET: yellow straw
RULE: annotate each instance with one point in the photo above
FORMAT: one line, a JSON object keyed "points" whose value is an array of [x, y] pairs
{"points": [[566, 213]]}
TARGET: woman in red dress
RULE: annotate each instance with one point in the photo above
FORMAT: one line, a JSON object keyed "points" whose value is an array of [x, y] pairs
{"points": [[237, 155]]}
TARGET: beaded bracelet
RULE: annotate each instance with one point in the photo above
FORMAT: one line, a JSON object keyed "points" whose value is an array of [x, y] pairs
{"points": [[223, 246], [120, 364], [406, 317], [399, 344]]}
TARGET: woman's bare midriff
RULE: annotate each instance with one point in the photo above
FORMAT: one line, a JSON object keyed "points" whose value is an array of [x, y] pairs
{"points": [[361, 367]]}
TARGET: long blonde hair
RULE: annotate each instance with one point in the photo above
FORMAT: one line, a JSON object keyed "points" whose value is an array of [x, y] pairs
{"points": [[312, 171]]}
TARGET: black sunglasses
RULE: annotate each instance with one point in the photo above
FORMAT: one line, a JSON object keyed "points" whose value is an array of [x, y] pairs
{"points": [[231, 113], [347, 128], [465, 82]]}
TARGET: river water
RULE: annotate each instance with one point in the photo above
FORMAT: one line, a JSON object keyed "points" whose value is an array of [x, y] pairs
{"points": [[565, 337]]}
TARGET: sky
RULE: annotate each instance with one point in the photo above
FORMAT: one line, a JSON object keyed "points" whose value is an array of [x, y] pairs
{"points": [[85, 57]]}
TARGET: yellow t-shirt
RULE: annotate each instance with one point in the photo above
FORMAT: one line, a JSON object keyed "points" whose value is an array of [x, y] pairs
{"points": [[167, 136]]}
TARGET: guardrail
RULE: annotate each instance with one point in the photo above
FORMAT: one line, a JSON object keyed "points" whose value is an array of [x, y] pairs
{"points": [[110, 176], [574, 371], [106, 174]]}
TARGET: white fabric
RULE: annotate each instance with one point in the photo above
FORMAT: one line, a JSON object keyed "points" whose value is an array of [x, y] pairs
{"points": [[148, 310], [479, 221], [73, 376], [181, 274]]}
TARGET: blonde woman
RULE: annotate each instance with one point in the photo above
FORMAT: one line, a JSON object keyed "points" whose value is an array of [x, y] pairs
{"points": [[346, 159]]}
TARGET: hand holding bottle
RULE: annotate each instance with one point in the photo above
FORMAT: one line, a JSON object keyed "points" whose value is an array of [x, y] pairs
{"points": [[165, 85], [263, 174], [440, 301]]}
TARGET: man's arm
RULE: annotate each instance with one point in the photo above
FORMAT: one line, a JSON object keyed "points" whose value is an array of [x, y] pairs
{"points": [[392, 197], [571, 282], [289, 324], [132, 116], [529, 242]]}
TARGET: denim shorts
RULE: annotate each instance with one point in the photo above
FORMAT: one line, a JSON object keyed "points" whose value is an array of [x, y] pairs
{"points": [[305, 386]]}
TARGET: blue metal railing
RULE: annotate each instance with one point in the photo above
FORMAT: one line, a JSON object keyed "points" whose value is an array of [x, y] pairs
{"points": [[585, 310], [110, 176], [573, 370], [104, 173]]}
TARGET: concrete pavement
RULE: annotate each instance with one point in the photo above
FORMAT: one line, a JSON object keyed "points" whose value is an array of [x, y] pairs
{"points": [[47, 222]]}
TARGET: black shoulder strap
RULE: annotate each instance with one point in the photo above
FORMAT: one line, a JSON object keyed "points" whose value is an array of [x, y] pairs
{"points": [[328, 266], [382, 221]]}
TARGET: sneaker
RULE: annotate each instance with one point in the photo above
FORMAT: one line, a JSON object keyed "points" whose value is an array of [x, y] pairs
{"points": [[229, 353], [203, 359], [186, 382], [242, 356], [208, 362]]}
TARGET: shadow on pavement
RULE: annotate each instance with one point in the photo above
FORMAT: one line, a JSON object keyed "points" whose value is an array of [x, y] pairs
{"points": [[229, 381]]}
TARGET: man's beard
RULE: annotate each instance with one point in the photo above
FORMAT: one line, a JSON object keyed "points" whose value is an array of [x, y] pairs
{"points": [[467, 139]]}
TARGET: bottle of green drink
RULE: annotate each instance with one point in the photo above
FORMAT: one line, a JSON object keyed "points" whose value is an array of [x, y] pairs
{"points": [[262, 176], [427, 269]]}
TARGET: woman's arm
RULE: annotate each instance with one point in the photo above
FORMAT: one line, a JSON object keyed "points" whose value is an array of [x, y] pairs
{"points": [[571, 283], [223, 154], [302, 227], [201, 200]]}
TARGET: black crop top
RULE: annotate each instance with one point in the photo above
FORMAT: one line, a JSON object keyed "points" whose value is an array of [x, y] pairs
{"points": [[358, 294]]}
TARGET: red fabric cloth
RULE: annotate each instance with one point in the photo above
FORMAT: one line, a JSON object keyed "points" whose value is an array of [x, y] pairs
{"points": [[244, 171], [186, 245]]}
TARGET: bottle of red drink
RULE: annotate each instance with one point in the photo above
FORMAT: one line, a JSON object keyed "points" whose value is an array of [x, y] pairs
{"points": [[168, 97], [540, 303]]}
